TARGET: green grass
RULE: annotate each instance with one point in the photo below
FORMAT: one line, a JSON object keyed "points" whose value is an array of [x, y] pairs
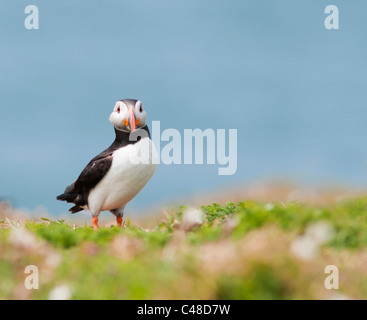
{"points": [[240, 251]]}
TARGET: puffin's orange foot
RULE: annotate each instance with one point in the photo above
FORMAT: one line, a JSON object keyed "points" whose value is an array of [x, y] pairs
{"points": [[119, 221], [95, 222]]}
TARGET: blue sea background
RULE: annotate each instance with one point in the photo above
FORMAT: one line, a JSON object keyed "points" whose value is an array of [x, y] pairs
{"points": [[296, 92]]}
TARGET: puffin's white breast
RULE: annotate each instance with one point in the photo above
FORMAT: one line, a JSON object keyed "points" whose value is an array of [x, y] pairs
{"points": [[132, 167]]}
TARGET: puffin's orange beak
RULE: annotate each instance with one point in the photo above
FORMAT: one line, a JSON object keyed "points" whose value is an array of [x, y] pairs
{"points": [[132, 121]]}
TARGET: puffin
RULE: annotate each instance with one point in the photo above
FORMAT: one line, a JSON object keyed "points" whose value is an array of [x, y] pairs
{"points": [[116, 175]]}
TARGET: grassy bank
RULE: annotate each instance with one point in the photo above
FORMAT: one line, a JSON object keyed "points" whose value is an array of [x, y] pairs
{"points": [[247, 250]]}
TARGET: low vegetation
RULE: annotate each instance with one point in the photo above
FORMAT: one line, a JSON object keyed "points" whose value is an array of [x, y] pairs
{"points": [[247, 250]]}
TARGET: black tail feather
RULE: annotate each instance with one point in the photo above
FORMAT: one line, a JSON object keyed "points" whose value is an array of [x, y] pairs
{"points": [[75, 209], [68, 197]]}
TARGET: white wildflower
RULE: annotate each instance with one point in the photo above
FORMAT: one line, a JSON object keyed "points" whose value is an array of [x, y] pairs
{"points": [[304, 248], [24, 239], [321, 232], [62, 292], [192, 218]]}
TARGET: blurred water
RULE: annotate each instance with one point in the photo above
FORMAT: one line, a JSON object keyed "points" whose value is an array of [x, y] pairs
{"points": [[295, 91]]}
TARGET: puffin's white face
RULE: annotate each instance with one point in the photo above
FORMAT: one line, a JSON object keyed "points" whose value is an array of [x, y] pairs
{"points": [[128, 115]]}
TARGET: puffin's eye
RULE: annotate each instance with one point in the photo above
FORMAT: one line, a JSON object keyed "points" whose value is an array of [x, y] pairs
{"points": [[141, 108], [118, 109]]}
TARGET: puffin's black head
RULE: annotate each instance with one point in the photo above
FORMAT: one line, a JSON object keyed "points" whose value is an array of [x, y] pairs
{"points": [[128, 115]]}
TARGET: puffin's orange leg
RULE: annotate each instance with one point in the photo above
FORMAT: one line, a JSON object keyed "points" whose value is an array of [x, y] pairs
{"points": [[95, 222], [119, 221]]}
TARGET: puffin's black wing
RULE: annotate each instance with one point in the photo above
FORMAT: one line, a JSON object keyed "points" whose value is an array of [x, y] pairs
{"points": [[93, 173]]}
